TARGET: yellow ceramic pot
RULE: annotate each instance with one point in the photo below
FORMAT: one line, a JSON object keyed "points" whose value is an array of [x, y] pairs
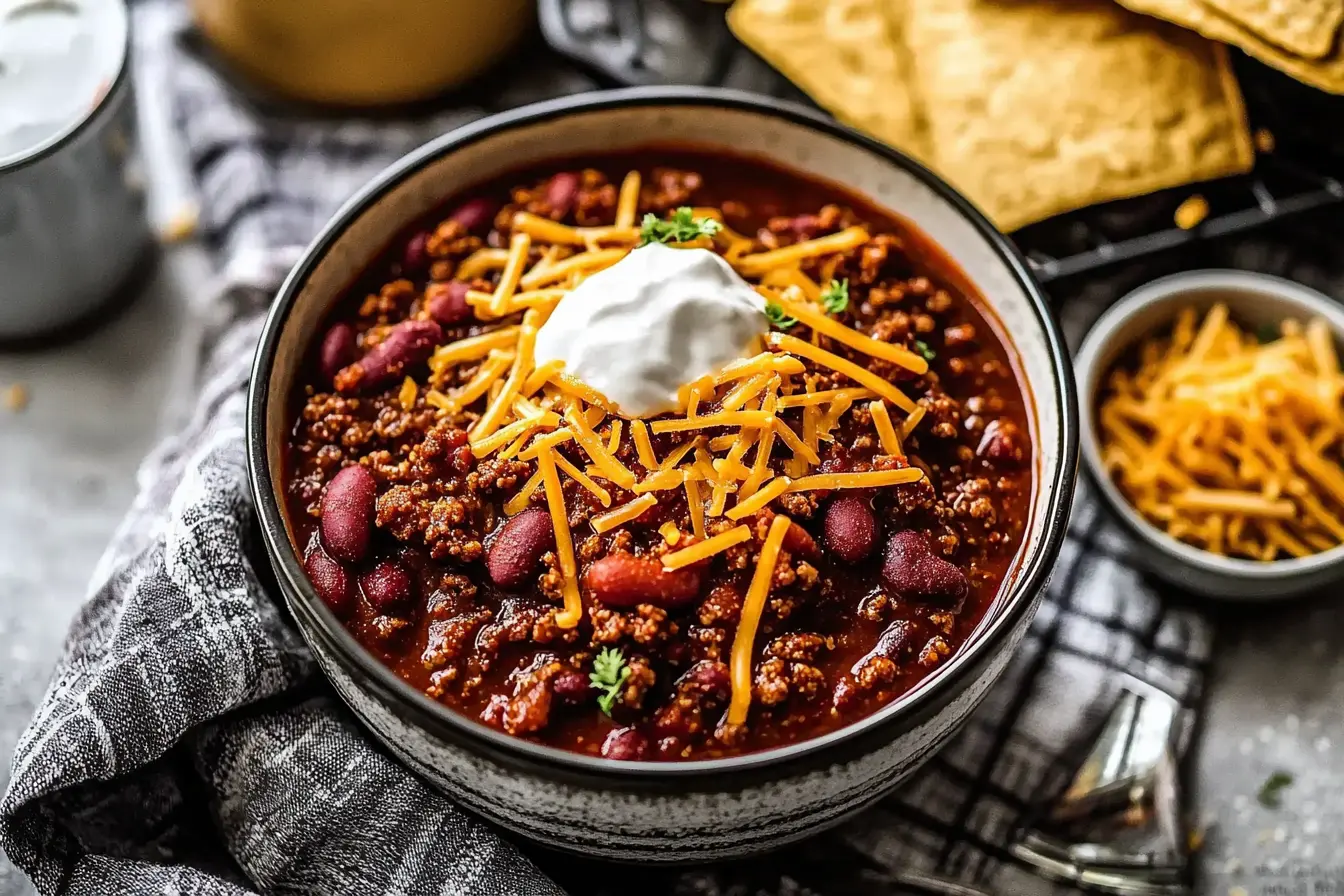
{"points": [[362, 52]]}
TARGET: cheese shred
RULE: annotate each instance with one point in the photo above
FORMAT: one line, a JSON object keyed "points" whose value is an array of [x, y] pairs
{"points": [[754, 604]]}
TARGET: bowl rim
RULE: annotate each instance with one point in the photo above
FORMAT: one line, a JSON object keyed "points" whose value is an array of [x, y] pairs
{"points": [[444, 723], [1168, 293]]}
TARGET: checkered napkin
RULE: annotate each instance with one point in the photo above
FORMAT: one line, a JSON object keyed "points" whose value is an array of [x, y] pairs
{"points": [[188, 744]]}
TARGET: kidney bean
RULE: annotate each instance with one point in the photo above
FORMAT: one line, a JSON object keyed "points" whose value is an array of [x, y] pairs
{"points": [[625, 743], [474, 214], [330, 580], [516, 551], [624, 580], [416, 255], [572, 688], [561, 192], [387, 586], [912, 570], [707, 677], [850, 528], [347, 514], [408, 343], [447, 302], [1002, 443], [337, 350]]}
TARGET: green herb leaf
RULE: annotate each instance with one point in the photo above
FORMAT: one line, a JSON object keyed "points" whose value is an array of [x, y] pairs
{"points": [[1267, 333], [682, 227], [1271, 792], [835, 297], [609, 674], [923, 348], [777, 316]]}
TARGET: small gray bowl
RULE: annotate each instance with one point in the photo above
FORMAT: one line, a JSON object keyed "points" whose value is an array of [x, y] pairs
{"points": [[1253, 300]]}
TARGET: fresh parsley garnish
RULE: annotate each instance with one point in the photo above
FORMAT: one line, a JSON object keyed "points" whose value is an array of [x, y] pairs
{"points": [[609, 674], [1271, 792], [776, 315], [1267, 333], [682, 227], [923, 348], [835, 297]]}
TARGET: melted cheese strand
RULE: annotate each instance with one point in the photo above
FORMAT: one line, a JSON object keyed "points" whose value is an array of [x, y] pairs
{"points": [[696, 502], [585, 263], [639, 431], [522, 366], [623, 514], [473, 347], [490, 370], [873, 479], [886, 433], [803, 399], [588, 440], [760, 262], [513, 269], [582, 479], [851, 337], [627, 203], [796, 445], [482, 262], [724, 418], [745, 640], [705, 549], [769, 492], [796, 346], [518, 503], [570, 616]]}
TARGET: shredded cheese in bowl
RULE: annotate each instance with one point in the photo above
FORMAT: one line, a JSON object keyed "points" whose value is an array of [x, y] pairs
{"points": [[1231, 441]]}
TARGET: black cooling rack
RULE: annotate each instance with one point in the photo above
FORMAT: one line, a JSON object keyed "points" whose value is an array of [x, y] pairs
{"points": [[638, 42]]}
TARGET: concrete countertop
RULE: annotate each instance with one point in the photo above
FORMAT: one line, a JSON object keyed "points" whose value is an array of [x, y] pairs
{"points": [[67, 473]]}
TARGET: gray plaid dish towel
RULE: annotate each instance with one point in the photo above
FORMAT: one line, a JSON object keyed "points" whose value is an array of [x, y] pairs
{"points": [[188, 744]]}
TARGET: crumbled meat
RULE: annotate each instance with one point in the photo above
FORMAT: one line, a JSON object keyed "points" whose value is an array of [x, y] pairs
{"points": [[499, 653]]}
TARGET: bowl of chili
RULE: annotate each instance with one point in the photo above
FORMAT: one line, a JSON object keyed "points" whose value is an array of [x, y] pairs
{"points": [[664, 474]]}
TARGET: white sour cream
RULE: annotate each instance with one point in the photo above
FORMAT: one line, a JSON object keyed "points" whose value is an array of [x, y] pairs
{"points": [[57, 59], [655, 321]]}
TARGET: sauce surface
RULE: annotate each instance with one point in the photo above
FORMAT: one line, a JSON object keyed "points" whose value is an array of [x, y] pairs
{"points": [[843, 631]]}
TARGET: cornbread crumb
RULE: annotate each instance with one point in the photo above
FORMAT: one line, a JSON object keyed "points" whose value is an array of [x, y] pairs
{"points": [[16, 397], [1191, 212], [181, 226], [1264, 140]]}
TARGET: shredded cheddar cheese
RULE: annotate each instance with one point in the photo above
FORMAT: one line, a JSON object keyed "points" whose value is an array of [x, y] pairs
{"points": [[671, 534], [639, 431], [849, 238], [583, 479], [564, 543], [707, 548], [886, 432], [874, 382], [623, 514], [873, 479], [1230, 442], [696, 502], [753, 605], [769, 492], [753, 431]]}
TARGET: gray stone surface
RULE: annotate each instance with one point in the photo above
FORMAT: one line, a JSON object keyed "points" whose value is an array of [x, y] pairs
{"points": [[67, 472]]}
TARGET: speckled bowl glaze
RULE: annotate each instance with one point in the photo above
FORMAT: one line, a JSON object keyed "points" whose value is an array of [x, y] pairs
{"points": [[679, 811]]}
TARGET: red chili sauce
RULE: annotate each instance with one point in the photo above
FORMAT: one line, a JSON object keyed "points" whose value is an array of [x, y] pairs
{"points": [[874, 590]]}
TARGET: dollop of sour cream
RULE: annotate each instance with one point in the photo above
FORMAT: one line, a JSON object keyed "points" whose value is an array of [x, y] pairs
{"points": [[657, 320]]}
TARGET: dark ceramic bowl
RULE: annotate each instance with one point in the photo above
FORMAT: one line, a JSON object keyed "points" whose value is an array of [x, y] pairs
{"points": [[667, 811]]}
